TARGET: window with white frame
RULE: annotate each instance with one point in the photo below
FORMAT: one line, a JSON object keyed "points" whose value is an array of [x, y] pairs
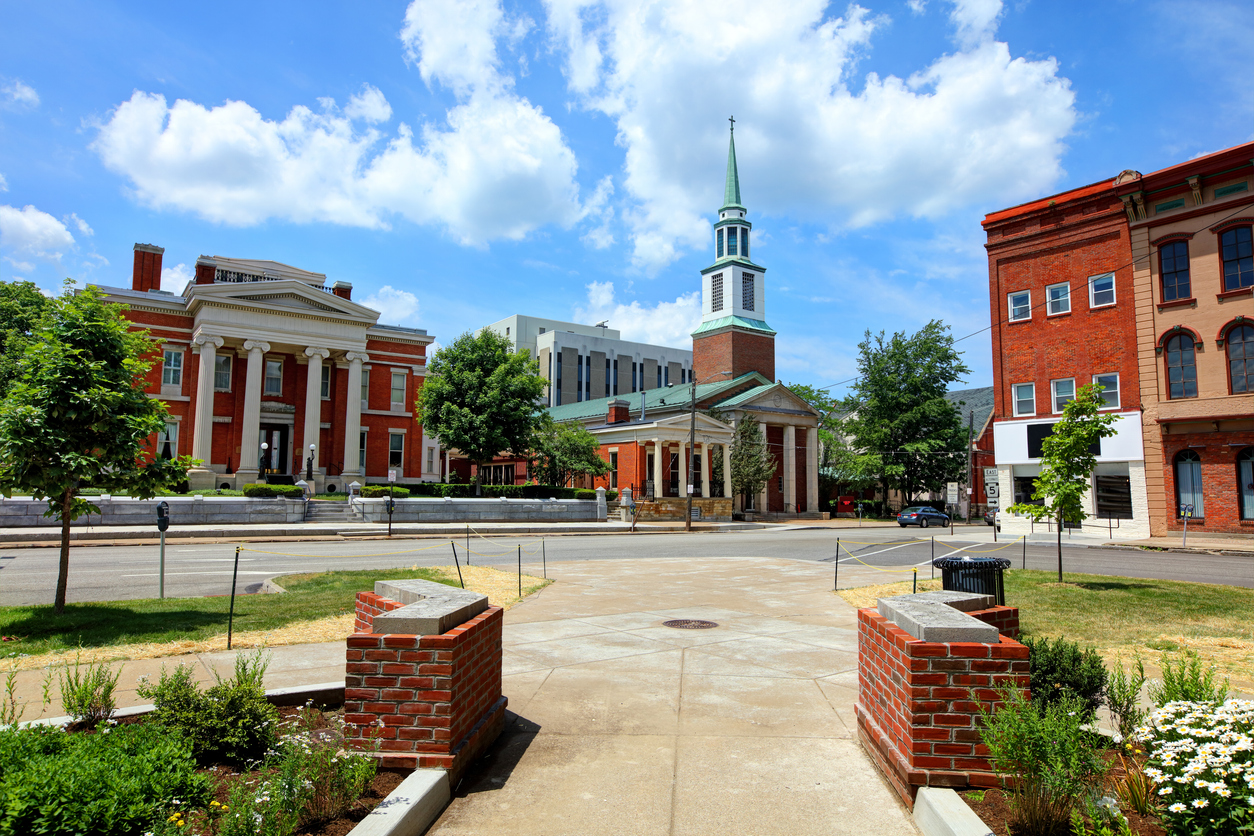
{"points": [[431, 460], [365, 388], [172, 368], [398, 390], [274, 377], [361, 452], [1110, 389], [325, 388], [222, 372], [1102, 290], [168, 441], [1025, 398], [1058, 297], [1063, 391], [396, 450], [1020, 305]]}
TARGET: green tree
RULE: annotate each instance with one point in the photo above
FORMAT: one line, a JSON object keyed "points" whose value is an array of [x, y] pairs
{"points": [[561, 452], [752, 464], [21, 306], [77, 413], [1067, 462], [480, 398], [897, 418]]}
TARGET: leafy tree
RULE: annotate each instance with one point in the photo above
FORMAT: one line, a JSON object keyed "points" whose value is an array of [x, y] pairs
{"points": [[560, 452], [752, 464], [21, 306], [840, 466], [77, 413], [1067, 462], [480, 398], [897, 417]]}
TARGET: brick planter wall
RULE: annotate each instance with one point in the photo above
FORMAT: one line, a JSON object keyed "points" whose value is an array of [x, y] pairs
{"points": [[918, 702], [438, 697]]}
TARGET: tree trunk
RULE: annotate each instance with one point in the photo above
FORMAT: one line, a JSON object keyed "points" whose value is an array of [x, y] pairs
{"points": [[1060, 548], [478, 478], [63, 570]]}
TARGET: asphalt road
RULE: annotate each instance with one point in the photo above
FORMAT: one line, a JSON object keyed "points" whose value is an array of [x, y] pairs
{"points": [[106, 573]]}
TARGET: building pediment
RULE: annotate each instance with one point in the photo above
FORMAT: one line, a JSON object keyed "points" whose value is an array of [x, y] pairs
{"points": [[283, 295], [775, 397]]}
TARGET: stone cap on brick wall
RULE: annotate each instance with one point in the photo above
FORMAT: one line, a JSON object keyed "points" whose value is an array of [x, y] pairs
{"points": [[941, 616], [431, 608]]}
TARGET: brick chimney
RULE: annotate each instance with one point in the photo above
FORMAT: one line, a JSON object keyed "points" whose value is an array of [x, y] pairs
{"points": [[618, 412], [206, 270], [344, 290], [147, 272]]}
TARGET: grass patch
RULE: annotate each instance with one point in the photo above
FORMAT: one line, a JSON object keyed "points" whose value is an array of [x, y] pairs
{"points": [[1122, 616], [316, 607]]}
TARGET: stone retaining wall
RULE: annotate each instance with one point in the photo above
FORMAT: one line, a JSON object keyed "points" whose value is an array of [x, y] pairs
{"points": [[717, 509], [184, 510], [479, 510]]}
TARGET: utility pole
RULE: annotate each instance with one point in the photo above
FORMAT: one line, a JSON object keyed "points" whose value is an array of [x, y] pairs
{"points": [[970, 456], [692, 443]]}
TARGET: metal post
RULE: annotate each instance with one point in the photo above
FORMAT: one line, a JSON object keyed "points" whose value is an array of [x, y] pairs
{"points": [[836, 581], [692, 460], [460, 579], [520, 571], [230, 619], [970, 456], [914, 587], [544, 558], [161, 582], [1024, 538], [391, 505], [467, 544], [932, 561]]}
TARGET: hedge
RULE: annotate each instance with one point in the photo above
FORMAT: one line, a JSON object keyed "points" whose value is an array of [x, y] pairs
{"points": [[260, 489], [583, 493], [464, 491], [377, 491]]}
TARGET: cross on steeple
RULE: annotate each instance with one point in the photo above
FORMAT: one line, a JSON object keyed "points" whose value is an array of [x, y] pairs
{"points": [[732, 119]]}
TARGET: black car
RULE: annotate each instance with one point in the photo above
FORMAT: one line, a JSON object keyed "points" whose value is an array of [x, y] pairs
{"points": [[922, 516]]}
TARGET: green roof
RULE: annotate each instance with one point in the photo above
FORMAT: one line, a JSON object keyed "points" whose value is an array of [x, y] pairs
{"points": [[662, 400], [721, 264], [731, 190], [736, 321], [745, 396]]}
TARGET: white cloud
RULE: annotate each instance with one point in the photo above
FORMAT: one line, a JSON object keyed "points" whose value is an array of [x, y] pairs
{"points": [[79, 224], [664, 323], [175, 278], [4, 184], [23, 266], [975, 125], [28, 231], [369, 105], [917, 6], [396, 306], [497, 168], [18, 96]]}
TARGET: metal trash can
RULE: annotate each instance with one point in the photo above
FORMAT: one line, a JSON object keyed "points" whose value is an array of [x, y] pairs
{"points": [[980, 575]]}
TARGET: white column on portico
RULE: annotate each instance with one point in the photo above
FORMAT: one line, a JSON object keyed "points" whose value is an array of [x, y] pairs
{"points": [[705, 468], [657, 468], [250, 432], [683, 468], [764, 499], [352, 415], [313, 405], [790, 468], [202, 432], [727, 483], [812, 469]]}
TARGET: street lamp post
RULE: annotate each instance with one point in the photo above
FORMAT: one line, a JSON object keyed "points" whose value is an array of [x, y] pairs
{"points": [[263, 459], [692, 444], [309, 464]]}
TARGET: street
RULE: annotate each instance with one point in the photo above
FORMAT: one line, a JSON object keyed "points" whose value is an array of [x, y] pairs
{"points": [[105, 573]]}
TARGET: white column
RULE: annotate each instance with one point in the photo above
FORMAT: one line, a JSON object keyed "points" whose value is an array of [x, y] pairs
{"points": [[790, 468], [657, 468], [202, 475], [764, 499], [352, 416], [683, 469], [705, 468], [313, 405], [250, 432], [812, 469], [727, 483]]}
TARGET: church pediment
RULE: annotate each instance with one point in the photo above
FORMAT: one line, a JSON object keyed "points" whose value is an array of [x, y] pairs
{"points": [[285, 300], [274, 296]]}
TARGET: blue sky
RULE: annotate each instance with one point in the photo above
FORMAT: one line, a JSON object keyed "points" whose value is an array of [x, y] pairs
{"points": [[460, 162]]}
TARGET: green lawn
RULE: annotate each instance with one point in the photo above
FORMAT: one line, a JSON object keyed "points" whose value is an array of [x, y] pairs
{"points": [[152, 620]]}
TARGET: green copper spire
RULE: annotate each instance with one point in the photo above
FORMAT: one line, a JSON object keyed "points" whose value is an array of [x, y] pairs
{"points": [[731, 191]]}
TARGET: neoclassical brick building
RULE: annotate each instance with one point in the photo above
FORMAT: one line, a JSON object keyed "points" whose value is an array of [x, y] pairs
{"points": [[259, 353]]}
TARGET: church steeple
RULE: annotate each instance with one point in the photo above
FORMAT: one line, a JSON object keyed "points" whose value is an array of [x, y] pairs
{"points": [[731, 189]]}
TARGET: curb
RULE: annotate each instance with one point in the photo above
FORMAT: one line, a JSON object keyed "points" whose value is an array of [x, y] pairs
{"points": [[942, 812], [1176, 549], [410, 808]]}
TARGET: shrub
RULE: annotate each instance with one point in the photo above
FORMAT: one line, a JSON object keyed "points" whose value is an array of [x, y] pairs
{"points": [[1123, 690], [231, 722], [261, 489], [582, 493], [1185, 681], [1049, 752], [610, 496], [1060, 669], [1201, 756], [88, 695], [116, 781], [378, 491]]}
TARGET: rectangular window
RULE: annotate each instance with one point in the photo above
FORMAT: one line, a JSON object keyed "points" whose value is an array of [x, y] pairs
{"points": [[615, 375], [325, 389], [607, 377], [1168, 206], [633, 375], [613, 470], [1173, 265], [274, 377], [541, 329], [1020, 305], [172, 368], [222, 372], [716, 292], [718, 253], [365, 388], [1102, 290], [1025, 398], [744, 242], [746, 291], [361, 452], [398, 390], [667, 377], [168, 441], [396, 451], [1064, 393], [1110, 389], [557, 389], [1238, 256], [659, 376], [731, 240], [579, 377], [1235, 188], [1059, 296]]}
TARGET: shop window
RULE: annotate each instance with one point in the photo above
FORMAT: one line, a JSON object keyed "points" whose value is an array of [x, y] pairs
{"points": [[1114, 497], [1240, 345], [1238, 257], [1173, 265], [1245, 478], [1189, 483], [1181, 367]]}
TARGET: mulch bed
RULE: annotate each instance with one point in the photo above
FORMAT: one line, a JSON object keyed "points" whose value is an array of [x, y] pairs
{"points": [[994, 810]]}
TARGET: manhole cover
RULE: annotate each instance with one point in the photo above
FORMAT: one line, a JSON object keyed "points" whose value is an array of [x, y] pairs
{"points": [[689, 624]]}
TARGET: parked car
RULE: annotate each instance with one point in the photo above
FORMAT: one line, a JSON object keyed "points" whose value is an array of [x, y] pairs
{"points": [[990, 518], [922, 516]]}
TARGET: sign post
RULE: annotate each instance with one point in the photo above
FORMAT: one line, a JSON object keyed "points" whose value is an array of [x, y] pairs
{"points": [[391, 498], [163, 522]]}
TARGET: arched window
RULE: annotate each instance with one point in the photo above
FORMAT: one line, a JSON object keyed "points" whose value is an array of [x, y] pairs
{"points": [[1189, 483], [1245, 480], [1181, 367], [1240, 343]]}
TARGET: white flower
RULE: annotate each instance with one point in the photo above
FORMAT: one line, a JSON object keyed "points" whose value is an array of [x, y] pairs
{"points": [[1165, 791], [1199, 803], [1177, 807]]}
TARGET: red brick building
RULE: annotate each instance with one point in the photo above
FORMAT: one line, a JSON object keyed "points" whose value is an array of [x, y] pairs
{"points": [[259, 353]]}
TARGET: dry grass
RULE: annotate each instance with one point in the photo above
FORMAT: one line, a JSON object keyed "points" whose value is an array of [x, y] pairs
{"points": [[868, 596]]}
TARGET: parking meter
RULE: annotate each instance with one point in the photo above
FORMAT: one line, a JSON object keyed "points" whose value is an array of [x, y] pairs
{"points": [[163, 516], [390, 506], [163, 522]]}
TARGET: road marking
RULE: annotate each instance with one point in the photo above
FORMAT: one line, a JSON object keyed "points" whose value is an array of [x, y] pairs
{"points": [[168, 574], [881, 551]]}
